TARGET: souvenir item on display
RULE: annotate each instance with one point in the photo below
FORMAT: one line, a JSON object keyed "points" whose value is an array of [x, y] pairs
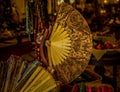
{"points": [[27, 74], [36, 24], [12, 69], [40, 81], [69, 45], [82, 87], [17, 75]]}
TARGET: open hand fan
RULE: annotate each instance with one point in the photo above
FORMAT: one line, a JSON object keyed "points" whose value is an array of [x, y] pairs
{"points": [[69, 45], [40, 81], [15, 77]]}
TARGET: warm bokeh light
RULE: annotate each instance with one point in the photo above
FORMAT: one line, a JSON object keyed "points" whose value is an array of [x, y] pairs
{"points": [[105, 1]]}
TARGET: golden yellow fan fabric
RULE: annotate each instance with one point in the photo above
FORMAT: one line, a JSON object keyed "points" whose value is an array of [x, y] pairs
{"points": [[40, 81], [69, 45]]}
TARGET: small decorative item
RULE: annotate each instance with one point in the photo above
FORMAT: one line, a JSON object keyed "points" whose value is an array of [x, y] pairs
{"points": [[69, 45]]}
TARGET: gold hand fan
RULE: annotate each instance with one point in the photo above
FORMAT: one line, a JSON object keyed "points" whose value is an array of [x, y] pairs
{"points": [[69, 45], [40, 81]]}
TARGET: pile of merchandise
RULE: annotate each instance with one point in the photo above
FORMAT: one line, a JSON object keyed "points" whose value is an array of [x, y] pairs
{"points": [[17, 75]]}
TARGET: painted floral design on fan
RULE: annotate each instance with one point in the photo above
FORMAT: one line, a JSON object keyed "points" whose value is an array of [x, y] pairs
{"points": [[75, 21], [63, 13], [70, 44]]}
